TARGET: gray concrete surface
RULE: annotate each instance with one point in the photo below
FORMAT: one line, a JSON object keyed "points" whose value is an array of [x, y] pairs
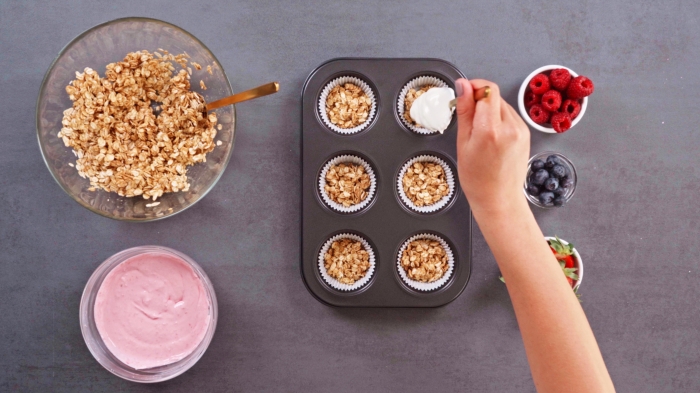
{"points": [[634, 217]]}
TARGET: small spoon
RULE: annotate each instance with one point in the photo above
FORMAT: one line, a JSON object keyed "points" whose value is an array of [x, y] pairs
{"points": [[259, 91], [479, 94]]}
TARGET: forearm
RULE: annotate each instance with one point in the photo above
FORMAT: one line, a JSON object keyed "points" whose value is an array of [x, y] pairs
{"points": [[553, 325]]}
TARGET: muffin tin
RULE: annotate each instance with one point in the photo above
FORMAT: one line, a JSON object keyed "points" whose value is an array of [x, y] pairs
{"points": [[385, 222]]}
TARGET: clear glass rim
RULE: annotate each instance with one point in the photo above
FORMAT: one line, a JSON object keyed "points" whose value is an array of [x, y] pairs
{"points": [[102, 354], [43, 88], [545, 154]]}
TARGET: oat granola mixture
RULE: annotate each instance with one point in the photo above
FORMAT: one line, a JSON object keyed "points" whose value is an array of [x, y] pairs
{"points": [[121, 145], [424, 260], [411, 96], [346, 260], [347, 183], [348, 106], [425, 183]]}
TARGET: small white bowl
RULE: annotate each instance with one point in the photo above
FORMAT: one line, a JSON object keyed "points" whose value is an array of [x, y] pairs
{"points": [[577, 257], [521, 100]]}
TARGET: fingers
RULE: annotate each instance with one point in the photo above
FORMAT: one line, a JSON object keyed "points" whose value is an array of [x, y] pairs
{"points": [[465, 110], [487, 115]]}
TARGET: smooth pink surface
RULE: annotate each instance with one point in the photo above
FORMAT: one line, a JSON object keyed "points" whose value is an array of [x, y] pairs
{"points": [[152, 310]]}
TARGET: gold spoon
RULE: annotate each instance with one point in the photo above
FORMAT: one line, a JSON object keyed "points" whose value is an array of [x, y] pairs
{"points": [[259, 91]]}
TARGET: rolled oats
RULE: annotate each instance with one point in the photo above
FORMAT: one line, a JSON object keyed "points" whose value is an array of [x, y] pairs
{"points": [[348, 105], [120, 144], [346, 261], [425, 260], [411, 96], [425, 183], [347, 183]]}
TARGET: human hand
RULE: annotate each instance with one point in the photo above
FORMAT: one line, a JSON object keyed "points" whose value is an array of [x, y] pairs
{"points": [[493, 146]]}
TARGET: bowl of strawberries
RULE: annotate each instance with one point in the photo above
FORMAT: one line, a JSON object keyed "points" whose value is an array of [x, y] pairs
{"points": [[553, 98], [569, 259]]}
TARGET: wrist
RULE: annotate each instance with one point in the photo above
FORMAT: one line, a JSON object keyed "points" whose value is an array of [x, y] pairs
{"points": [[502, 212]]}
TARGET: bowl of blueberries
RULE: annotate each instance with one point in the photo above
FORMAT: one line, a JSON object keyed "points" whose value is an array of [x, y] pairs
{"points": [[550, 181]]}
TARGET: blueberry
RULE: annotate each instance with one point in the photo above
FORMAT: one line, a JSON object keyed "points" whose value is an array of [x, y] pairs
{"points": [[537, 165], [558, 171], [546, 198], [559, 201], [551, 184], [567, 182], [533, 190], [538, 178], [559, 191], [552, 161]]}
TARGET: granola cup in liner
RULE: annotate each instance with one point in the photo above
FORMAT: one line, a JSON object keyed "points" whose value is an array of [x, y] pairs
{"points": [[449, 178], [341, 81], [427, 286], [335, 284], [337, 206], [417, 83]]}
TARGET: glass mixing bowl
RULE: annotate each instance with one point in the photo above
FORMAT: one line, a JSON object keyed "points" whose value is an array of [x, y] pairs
{"points": [[108, 43]]}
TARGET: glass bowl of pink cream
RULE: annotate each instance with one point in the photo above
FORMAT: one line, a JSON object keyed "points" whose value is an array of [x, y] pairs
{"points": [[148, 313]]}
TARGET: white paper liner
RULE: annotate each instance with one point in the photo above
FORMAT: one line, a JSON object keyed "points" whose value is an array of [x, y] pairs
{"points": [[426, 286], [449, 178], [340, 81], [417, 83], [335, 284], [337, 206]]}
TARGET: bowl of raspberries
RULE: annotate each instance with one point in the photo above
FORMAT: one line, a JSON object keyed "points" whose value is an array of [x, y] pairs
{"points": [[554, 98], [551, 180]]}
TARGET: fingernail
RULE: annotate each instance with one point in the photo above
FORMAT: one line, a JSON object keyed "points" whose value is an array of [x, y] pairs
{"points": [[458, 88]]}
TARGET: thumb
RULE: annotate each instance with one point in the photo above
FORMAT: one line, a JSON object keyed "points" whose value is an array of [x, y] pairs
{"points": [[465, 110]]}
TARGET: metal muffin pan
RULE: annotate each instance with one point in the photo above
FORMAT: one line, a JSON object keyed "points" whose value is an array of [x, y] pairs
{"points": [[386, 223]]}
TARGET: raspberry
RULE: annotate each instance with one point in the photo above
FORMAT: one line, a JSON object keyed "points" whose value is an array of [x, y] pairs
{"points": [[539, 84], [551, 100], [531, 99], [559, 79], [579, 87], [538, 114], [572, 107], [561, 122]]}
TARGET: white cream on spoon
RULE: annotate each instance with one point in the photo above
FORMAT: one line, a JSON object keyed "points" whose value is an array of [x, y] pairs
{"points": [[432, 109]]}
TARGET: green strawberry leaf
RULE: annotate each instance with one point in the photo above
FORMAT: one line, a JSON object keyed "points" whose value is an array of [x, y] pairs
{"points": [[503, 280], [569, 271]]}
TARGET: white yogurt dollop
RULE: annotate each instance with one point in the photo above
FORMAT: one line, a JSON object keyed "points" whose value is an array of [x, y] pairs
{"points": [[432, 108]]}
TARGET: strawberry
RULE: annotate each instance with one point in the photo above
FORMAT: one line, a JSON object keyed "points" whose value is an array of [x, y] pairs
{"points": [[560, 249], [565, 256]]}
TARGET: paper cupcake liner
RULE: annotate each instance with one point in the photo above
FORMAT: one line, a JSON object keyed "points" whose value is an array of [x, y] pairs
{"points": [[340, 81], [426, 286], [449, 178], [337, 206], [335, 284], [417, 83]]}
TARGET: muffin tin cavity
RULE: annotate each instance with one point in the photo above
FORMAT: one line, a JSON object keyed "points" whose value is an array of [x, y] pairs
{"points": [[445, 184], [417, 84], [330, 170], [437, 248], [350, 102], [353, 257], [384, 146]]}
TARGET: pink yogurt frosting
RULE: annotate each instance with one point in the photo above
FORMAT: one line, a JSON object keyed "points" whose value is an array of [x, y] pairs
{"points": [[152, 310]]}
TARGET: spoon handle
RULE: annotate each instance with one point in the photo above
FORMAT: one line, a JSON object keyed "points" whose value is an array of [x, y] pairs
{"points": [[259, 91], [479, 94]]}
